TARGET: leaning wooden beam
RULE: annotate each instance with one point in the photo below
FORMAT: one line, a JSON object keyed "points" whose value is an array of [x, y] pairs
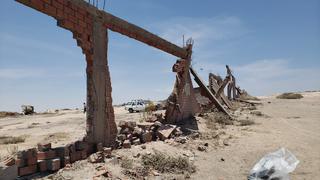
{"points": [[214, 87], [222, 86], [210, 95], [249, 102], [128, 29]]}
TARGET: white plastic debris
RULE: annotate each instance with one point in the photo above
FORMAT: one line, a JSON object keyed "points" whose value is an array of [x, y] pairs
{"points": [[274, 166]]}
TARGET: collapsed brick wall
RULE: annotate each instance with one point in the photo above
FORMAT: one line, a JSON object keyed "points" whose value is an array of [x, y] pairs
{"points": [[77, 17], [181, 104]]}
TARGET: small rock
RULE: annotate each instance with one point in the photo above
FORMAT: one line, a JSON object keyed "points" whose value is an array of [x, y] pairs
{"points": [[225, 142], [136, 142], [222, 159], [202, 148], [143, 147], [155, 173], [181, 140], [206, 144], [136, 155], [126, 144]]}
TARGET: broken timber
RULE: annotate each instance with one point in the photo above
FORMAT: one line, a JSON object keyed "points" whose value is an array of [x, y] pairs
{"points": [[210, 95], [214, 86]]}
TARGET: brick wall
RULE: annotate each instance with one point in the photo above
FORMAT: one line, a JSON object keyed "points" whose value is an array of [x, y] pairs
{"points": [[71, 17]]}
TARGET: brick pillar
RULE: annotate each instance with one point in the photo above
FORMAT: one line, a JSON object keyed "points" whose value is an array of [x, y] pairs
{"points": [[100, 118]]}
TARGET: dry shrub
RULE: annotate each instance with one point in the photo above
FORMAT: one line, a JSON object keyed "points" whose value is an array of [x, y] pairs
{"points": [[290, 96], [7, 114], [57, 136], [246, 96], [214, 118], [126, 163], [167, 164], [12, 139], [246, 122]]}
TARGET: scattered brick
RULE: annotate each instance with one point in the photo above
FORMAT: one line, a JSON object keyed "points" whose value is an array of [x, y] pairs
{"points": [[126, 144]]}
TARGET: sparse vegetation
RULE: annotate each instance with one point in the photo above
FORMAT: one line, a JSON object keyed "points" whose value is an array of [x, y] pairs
{"points": [[246, 122], [12, 139], [57, 136], [126, 163], [290, 96], [167, 164], [8, 114]]}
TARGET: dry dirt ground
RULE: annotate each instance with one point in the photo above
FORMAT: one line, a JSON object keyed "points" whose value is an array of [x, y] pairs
{"points": [[232, 149]]}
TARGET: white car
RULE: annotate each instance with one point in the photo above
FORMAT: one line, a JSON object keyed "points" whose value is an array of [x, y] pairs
{"points": [[135, 105]]}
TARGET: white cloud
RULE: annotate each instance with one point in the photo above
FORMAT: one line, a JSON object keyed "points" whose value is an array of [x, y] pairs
{"points": [[268, 76], [203, 30]]}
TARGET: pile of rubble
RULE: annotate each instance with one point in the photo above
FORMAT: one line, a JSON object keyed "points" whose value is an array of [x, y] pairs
{"points": [[132, 133]]}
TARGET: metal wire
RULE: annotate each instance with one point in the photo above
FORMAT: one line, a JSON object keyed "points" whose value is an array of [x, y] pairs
{"points": [[104, 4]]}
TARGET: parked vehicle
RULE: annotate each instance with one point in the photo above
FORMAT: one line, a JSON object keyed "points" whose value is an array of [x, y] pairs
{"points": [[135, 106]]}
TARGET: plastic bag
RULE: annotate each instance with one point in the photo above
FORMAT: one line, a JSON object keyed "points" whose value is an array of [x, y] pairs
{"points": [[274, 166]]}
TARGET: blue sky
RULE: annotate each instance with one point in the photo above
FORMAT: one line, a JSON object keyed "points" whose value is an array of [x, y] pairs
{"points": [[272, 46]]}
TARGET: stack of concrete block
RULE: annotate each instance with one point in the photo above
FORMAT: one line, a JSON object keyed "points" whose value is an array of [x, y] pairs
{"points": [[27, 162], [47, 158]]}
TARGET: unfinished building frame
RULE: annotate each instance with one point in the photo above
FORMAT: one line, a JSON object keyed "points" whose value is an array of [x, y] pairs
{"points": [[89, 27]]}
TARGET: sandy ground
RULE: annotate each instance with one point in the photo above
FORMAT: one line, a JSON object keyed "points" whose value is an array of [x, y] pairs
{"points": [[292, 124]]}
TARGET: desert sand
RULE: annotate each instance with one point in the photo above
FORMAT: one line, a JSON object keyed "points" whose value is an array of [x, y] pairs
{"points": [[232, 149]]}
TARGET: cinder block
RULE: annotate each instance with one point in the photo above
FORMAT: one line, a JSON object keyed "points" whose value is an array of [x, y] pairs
{"points": [[53, 164], [99, 147], [126, 144], [84, 154], [46, 155], [20, 162], [32, 161], [42, 165], [80, 145], [75, 156], [22, 171]]}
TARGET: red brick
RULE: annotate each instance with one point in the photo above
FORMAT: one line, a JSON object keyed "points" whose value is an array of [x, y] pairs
{"points": [[60, 1], [37, 4], [82, 23], [68, 11], [62, 151], [50, 10], [59, 14], [57, 5], [26, 2], [73, 19], [31, 153], [22, 171], [80, 16], [42, 165], [82, 11], [126, 144], [53, 164], [46, 155], [47, 1], [20, 162], [75, 156], [84, 154], [32, 161]]}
